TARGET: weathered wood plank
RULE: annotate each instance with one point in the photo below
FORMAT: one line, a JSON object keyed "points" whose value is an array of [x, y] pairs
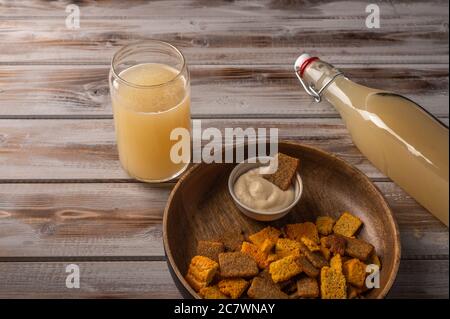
{"points": [[225, 40], [219, 8], [416, 279], [86, 150], [124, 219], [217, 91]]}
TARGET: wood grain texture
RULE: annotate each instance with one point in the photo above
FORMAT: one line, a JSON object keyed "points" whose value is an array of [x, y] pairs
{"points": [[124, 220], [218, 8], [83, 150], [217, 91], [416, 279], [227, 40]]}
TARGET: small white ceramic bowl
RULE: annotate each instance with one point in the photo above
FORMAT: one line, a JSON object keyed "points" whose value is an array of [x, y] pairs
{"points": [[264, 216]]}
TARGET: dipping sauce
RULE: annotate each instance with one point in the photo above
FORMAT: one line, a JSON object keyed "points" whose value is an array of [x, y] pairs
{"points": [[255, 192]]}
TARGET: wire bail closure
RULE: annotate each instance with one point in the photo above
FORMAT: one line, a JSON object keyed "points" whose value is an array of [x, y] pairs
{"points": [[311, 90]]}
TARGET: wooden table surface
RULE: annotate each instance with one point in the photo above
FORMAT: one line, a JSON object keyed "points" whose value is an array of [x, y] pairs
{"points": [[63, 196]]}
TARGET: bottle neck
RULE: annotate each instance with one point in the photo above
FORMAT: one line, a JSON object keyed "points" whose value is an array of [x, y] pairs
{"points": [[318, 76]]}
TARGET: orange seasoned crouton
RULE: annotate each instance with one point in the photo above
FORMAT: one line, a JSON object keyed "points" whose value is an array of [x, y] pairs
{"points": [[284, 269], [234, 287], [307, 288], [332, 284], [325, 225], [258, 255], [203, 268], [374, 259], [196, 284], [355, 272], [269, 233], [335, 243], [347, 225], [211, 292], [287, 247], [311, 245], [336, 263], [297, 231], [267, 246]]}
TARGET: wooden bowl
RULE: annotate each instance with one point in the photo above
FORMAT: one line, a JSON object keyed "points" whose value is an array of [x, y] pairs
{"points": [[200, 208]]}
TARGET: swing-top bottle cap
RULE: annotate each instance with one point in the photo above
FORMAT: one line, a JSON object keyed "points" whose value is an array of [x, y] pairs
{"points": [[302, 62]]}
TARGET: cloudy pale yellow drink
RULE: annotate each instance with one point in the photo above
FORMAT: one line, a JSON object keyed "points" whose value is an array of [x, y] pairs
{"points": [[398, 136], [149, 101]]}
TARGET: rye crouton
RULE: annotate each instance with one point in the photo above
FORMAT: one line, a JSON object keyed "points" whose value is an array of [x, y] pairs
{"points": [[257, 254], [358, 248], [196, 284], [262, 287], [233, 288], [237, 264], [297, 231], [284, 269], [287, 247], [210, 249], [316, 258], [355, 272], [374, 259], [286, 171], [347, 225], [307, 288], [307, 267], [232, 240], [211, 292], [270, 233], [332, 284], [324, 225]]}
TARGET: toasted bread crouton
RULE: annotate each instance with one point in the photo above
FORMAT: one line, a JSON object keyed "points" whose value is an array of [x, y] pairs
{"points": [[271, 258], [232, 240], [284, 269], [258, 255], [196, 284], [336, 263], [374, 259], [203, 269], [307, 288], [286, 171], [234, 287], [324, 225], [311, 245], [210, 249], [260, 237], [332, 284], [211, 292], [355, 272], [335, 243], [307, 267], [326, 252], [316, 258], [347, 225], [237, 264], [297, 231], [353, 292], [358, 248], [287, 247], [267, 246], [263, 287]]}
